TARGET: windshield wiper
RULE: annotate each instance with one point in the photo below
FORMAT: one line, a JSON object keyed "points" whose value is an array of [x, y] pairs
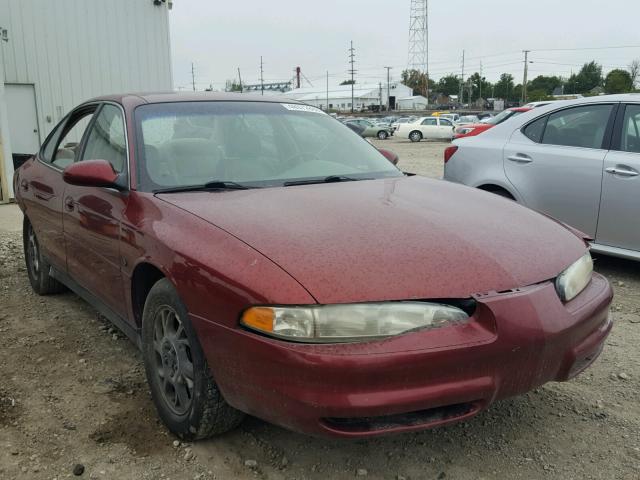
{"points": [[329, 179], [213, 185]]}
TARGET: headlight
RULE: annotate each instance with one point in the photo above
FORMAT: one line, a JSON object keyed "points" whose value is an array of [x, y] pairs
{"points": [[575, 278], [350, 323]]}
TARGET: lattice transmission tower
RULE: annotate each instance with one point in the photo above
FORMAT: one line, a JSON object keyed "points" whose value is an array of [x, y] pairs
{"points": [[419, 38]]}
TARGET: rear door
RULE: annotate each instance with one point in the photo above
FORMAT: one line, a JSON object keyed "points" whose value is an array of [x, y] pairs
{"points": [[42, 187], [555, 163], [92, 215], [445, 128], [619, 223]]}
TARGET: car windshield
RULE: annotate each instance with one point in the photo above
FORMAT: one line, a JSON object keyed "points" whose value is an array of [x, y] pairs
{"points": [[253, 144], [502, 116]]}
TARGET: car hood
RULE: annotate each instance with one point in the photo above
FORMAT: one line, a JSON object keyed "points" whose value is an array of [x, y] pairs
{"points": [[392, 239]]}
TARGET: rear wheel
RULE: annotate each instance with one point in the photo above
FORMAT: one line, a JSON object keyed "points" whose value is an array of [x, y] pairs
{"points": [[37, 267], [383, 135], [415, 136], [186, 397]]}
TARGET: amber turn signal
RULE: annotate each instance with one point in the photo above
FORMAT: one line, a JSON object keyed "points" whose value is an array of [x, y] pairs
{"points": [[260, 318]]}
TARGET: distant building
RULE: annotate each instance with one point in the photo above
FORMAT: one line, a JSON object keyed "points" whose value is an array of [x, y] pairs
{"points": [[366, 96], [57, 54], [415, 102]]}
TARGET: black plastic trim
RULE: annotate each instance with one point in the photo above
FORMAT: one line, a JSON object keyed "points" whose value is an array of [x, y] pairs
{"points": [[125, 327]]}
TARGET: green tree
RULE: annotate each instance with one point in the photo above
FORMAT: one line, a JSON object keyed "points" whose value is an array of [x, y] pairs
{"points": [[348, 82], [504, 86], [233, 86], [448, 85], [634, 71], [479, 86], [618, 81], [543, 83], [537, 95], [588, 78], [417, 81]]}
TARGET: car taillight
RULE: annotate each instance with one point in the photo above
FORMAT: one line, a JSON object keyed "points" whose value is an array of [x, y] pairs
{"points": [[448, 153]]}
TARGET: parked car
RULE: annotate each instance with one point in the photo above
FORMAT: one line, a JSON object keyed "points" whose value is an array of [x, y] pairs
{"points": [[543, 103], [427, 128], [484, 116], [577, 161], [371, 129], [467, 120], [454, 117], [243, 243], [477, 128]]}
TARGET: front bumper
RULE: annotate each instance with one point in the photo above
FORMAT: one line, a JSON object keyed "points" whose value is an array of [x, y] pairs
{"points": [[518, 341]]}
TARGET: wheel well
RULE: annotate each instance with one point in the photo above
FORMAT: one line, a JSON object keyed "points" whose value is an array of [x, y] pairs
{"points": [[145, 276], [497, 190]]}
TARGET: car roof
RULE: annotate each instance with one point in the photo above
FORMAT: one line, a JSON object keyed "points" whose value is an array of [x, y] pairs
{"points": [[172, 97]]}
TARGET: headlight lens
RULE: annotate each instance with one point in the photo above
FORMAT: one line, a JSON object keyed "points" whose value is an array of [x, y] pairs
{"points": [[575, 278], [350, 323]]}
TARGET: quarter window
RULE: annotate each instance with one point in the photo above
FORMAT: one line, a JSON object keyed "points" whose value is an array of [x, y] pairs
{"points": [[578, 127], [106, 140], [535, 130]]}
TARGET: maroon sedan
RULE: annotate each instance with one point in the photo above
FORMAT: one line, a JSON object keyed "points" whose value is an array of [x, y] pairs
{"points": [[268, 261]]}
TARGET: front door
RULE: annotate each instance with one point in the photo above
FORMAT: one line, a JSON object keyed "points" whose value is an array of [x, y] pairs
{"points": [[555, 164], [92, 216], [619, 224]]}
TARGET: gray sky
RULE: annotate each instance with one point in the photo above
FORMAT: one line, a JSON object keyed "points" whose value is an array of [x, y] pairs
{"points": [[219, 37]]}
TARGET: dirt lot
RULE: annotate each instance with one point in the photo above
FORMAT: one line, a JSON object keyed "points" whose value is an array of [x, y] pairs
{"points": [[72, 391]]}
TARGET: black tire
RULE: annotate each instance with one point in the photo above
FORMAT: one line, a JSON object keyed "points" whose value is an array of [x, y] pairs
{"points": [[37, 267], [383, 135], [415, 136], [188, 401]]}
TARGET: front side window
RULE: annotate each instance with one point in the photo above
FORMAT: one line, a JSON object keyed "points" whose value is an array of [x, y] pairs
{"points": [[583, 126], [106, 139], [256, 144], [445, 123], [430, 121], [66, 147], [631, 130]]}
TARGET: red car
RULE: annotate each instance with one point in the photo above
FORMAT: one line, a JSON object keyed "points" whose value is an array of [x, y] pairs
{"points": [[267, 261], [474, 129]]}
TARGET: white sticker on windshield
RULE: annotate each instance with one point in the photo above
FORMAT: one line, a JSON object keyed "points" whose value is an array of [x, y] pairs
{"points": [[301, 108]]}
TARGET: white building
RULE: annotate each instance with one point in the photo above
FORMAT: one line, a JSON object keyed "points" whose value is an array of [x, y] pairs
{"points": [[339, 96], [56, 54], [414, 102]]}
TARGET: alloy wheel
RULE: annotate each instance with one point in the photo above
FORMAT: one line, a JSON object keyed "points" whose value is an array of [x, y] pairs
{"points": [[33, 254], [173, 360]]}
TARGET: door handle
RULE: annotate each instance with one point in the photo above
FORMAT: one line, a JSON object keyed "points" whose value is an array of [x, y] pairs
{"points": [[622, 172], [69, 204], [520, 158]]}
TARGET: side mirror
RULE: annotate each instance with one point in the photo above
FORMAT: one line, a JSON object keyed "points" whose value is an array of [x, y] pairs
{"points": [[91, 173], [389, 155]]}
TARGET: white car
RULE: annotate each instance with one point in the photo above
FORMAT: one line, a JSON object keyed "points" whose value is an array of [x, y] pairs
{"points": [[454, 117], [427, 128]]}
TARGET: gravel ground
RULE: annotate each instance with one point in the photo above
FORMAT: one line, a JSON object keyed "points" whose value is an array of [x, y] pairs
{"points": [[72, 392]]}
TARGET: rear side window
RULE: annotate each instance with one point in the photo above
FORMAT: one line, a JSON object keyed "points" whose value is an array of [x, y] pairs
{"points": [[49, 147], [630, 141], [583, 127], [535, 130]]}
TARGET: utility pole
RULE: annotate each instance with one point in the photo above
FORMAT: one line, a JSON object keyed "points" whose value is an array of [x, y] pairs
{"points": [[388, 88], [526, 71], [327, 91], [261, 75], [480, 82], [380, 96], [462, 81], [352, 71], [193, 76], [240, 80], [298, 72]]}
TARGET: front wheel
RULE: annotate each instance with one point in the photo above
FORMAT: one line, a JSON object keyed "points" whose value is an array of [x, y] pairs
{"points": [[383, 135], [187, 399], [415, 136]]}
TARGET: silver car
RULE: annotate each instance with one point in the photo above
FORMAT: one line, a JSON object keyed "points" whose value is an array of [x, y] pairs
{"points": [[578, 161]]}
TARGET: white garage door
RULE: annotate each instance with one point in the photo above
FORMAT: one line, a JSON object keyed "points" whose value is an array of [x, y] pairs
{"points": [[23, 119]]}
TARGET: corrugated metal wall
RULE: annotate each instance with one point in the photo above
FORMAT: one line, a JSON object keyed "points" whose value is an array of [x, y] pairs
{"points": [[72, 50]]}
